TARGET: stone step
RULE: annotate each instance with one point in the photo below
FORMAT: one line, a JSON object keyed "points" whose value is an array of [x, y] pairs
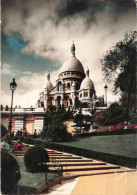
{"points": [[69, 157], [93, 172], [81, 164], [60, 155], [69, 161], [72, 169]]}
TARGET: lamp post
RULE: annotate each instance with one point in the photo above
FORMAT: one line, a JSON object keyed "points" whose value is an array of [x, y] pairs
{"points": [[13, 86], [106, 88]]}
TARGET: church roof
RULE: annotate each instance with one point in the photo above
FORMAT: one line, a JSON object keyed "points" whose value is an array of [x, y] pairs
{"points": [[72, 64]]}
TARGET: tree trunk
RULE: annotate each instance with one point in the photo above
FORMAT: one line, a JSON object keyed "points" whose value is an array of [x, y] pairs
{"points": [[128, 102]]}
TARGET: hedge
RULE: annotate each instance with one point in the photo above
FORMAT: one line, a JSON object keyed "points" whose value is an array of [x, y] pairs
{"points": [[116, 132], [110, 158]]}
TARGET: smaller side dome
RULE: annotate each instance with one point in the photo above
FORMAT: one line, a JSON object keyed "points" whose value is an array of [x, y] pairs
{"points": [[87, 83], [48, 84]]}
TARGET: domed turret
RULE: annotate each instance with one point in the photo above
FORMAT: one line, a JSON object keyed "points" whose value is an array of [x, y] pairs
{"points": [[48, 84], [87, 83]]}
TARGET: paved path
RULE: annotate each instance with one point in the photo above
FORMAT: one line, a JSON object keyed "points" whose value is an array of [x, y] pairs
{"points": [[107, 184], [93, 177], [65, 188]]}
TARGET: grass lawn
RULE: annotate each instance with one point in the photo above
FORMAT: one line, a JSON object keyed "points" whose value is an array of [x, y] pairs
{"points": [[124, 145], [30, 182]]}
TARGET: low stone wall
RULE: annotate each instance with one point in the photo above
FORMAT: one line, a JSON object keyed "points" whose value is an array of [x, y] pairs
{"points": [[49, 185]]}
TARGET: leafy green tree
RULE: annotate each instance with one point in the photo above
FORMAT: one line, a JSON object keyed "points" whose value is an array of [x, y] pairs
{"points": [[119, 64], [10, 173], [98, 117], [114, 114], [55, 129], [79, 120], [35, 160]]}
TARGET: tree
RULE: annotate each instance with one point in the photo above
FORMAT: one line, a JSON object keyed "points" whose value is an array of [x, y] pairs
{"points": [[79, 120], [98, 117], [121, 61], [55, 129], [10, 173], [35, 160], [114, 114]]}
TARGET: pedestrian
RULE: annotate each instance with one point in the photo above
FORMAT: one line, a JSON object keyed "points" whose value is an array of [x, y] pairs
{"points": [[135, 126], [110, 129], [114, 128], [18, 133], [5, 144], [125, 127], [25, 133], [35, 133], [21, 132], [18, 146], [12, 134]]}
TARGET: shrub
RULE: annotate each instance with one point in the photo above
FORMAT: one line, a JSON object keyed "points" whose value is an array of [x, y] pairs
{"points": [[56, 132], [35, 159], [94, 126], [10, 173], [115, 114]]}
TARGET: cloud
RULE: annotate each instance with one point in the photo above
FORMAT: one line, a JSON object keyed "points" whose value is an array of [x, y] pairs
{"points": [[50, 37], [7, 70]]}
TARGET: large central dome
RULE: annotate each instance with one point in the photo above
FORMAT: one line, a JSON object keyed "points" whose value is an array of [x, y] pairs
{"points": [[72, 64]]}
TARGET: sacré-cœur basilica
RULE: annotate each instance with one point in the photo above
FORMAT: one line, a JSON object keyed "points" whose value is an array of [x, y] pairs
{"points": [[74, 89]]}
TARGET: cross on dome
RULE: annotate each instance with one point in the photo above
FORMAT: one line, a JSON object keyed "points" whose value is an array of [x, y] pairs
{"points": [[73, 48], [87, 72]]}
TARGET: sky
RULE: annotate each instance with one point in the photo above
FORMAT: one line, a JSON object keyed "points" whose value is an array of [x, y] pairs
{"points": [[36, 37]]}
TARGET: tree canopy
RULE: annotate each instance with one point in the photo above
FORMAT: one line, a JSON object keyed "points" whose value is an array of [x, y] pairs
{"points": [[35, 159], [114, 114], [55, 129], [119, 64]]}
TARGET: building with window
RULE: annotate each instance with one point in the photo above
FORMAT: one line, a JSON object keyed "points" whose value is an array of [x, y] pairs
{"points": [[73, 87]]}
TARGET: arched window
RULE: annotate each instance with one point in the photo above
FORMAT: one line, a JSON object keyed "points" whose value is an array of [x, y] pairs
{"points": [[68, 85], [59, 86], [58, 101]]}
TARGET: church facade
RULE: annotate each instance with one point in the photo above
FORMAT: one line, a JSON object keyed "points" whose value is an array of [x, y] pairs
{"points": [[73, 87]]}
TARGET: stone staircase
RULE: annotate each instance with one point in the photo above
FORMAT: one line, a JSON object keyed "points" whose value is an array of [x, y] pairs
{"points": [[70, 165]]}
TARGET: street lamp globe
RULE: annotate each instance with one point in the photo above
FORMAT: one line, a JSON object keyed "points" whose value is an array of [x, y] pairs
{"points": [[13, 85], [105, 87]]}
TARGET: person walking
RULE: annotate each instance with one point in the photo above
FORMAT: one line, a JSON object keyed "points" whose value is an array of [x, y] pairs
{"points": [[25, 133], [18, 146]]}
